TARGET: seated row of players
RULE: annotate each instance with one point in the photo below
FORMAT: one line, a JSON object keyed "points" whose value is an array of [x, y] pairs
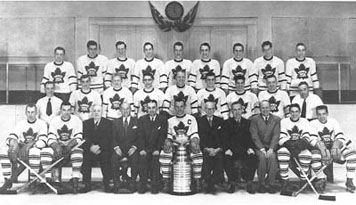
{"points": [[101, 70]]}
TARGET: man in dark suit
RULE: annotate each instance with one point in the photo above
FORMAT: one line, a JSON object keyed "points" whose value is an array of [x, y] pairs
{"points": [[210, 132], [265, 129], [125, 146], [152, 132], [97, 132], [239, 148]]}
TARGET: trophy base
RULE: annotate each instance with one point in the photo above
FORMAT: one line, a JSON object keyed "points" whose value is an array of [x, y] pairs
{"points": [[182, 193]]}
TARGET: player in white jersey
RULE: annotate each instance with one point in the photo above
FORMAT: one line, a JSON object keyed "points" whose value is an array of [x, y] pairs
{"points": [[65, 132], [336, 146], [82, 100], [278, 99], [122, 64], [213, 94], [152, 65], [300, 69], [238, 65], [267, 65], [49, 106], [178, 63], [146, 94], [201, 67], [25, 142], [248, 100], [114, 96], [181, 90], [62, 73], [181, 125], [94, 65], [307, 101]]}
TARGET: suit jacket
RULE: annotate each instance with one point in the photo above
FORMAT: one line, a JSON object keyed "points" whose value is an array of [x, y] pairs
{"points": [[125, 140], [265, 135], [210, 136], [237, 136], [101, 136], [151, 135]]}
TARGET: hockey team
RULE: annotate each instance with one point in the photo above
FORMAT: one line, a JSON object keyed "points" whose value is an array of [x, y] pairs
{"points": [[244, 117]]}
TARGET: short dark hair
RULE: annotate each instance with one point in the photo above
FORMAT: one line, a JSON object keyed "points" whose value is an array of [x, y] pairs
{"points": [[29, 105], [84, 76], [271, 76], [65, 103], [148, 74], [294, 105], [120, 43], [179, 100], [49, 83], [303, 83], [210, 73], [204, 44], [92, 43], [116, 75], [60, 49], [300, 44], [322, 107], [237, 103], [147, 43], [153, 101], [178, 43], [266, 43], [239, 77], [238, 44]]}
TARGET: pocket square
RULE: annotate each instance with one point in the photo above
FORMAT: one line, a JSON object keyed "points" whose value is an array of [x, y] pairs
{"points": [[159, 128], [134, 127]]}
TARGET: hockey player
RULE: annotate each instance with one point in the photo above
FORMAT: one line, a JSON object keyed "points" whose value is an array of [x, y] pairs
{"points": [[300, 69], [49, 106], [307, 101], [181, 90], [152, 65], [94, 65], [238, 65], [184, 124], [247, 99], [332, 139], [142, 96], [203, 66], [296, 142], [114, 96], [122, 64], [25, 142], [62, 73], [65, 132], [82, 100], [267, 65], [212, 93], [176, 64], [278, 99]]}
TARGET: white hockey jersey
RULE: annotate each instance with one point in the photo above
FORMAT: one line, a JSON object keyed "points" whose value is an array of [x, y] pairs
{"points": [[27, 132], [172, 66], [199, 70], [312, 102], [41, 105], [296, 130], [232, 68], [83, 102], [63, 75], [187, 93], [298, 71], [124, 67], [141, 97], [154, 66], [217, 95], [186, 123], [263, 68], [278, 100], [247, 99], [112, 100], [63, 131]]}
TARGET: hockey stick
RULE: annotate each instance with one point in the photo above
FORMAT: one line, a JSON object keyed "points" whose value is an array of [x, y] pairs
{"points": [[8, 182], [320, 197]]}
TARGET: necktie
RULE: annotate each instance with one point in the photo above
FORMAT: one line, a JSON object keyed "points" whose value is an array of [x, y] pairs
{"points": [[96, 125], [210, 121], [49, 107], [304, 108], [266, 120], [126, 124]]}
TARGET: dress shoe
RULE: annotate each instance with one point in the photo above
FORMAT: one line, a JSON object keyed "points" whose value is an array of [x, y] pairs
{"points": [[75, 182], [85, 189], [261, 189], [166, 186], [249, 188], [231, 188], [270, 189], [142, 188]]}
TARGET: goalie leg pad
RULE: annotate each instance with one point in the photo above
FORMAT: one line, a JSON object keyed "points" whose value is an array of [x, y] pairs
{"points": [[283, 157]]}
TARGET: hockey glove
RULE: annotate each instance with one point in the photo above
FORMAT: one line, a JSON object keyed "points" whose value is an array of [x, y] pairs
{"points": [[24, 151], [66, 150], [336, 150], [167, 146], [57, 151], [194, 145], [292, 146], [303, 144], [325, 153], [13, 150]]}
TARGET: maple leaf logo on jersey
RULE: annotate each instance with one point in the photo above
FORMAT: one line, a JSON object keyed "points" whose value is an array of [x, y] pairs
{"points": [[274, 104], [122, 70], [84, 105], [92, 69], [176, 70], [144, 103], [180, 97], [211, 98], [238, 71], [116, 102], [295, 133], [325, 136], [149, 70], [204, 71], [64, 133], [302, 71], [243, 104], [58, 75], [29, 136], [268, 70], [181, 128]]}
